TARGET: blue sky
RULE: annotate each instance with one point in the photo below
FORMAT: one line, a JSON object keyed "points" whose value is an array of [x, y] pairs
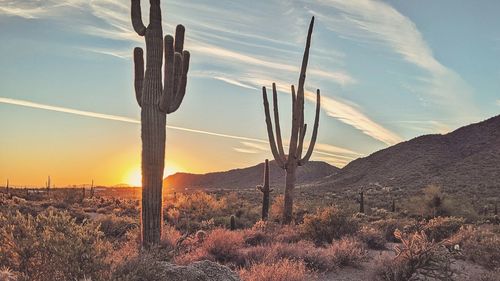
{"points": [[388, 71]]}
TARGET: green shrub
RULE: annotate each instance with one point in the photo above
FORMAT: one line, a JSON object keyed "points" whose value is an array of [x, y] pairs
{"points": [[52, 246], [328, 224]]}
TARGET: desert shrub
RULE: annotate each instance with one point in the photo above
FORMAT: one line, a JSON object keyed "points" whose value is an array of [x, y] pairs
{"points": [[254, 237], [115, 227], [145, 266], [441, 228], [52, 246], [223, 244], [416, 256], [220, 245], [328, 224], [283, 270], [7, 275], [389, 226], [479, 245], [347, 252], [373, 238], [276, 210]]}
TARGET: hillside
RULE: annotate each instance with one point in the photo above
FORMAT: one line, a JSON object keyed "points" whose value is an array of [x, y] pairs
{"points": [[248, 177], [466, 158]]}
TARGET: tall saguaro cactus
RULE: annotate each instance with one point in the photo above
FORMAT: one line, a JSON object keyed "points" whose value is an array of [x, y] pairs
{"points": [[156, 100], [294, 158], [266, 191]]}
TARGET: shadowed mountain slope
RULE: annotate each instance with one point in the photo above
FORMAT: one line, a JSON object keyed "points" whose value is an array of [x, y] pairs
{"points": [[249, 177]]}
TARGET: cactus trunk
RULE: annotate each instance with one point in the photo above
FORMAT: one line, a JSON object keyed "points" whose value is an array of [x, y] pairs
{"points": [[156, 100]]}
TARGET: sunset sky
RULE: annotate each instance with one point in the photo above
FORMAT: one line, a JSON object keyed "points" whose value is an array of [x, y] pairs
{"points": [[388, 71]]}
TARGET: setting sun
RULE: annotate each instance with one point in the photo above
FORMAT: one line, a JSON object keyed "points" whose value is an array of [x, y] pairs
{"points": [[134, 177]]}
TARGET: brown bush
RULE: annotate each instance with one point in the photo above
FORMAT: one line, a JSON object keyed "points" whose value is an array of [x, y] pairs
{"points": [[115, 227], [328, 224], [283, 270], [52, 246], [416, 255], [347, 252], [220, 245], [373, 238], [440, 228], [480, 245]]}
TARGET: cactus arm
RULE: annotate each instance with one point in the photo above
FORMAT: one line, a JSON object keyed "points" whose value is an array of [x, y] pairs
{"points": [[315, 130], [277, 122], [182, 86], [301, 141], [137, 18], [154, 14], [298, 110], [168, 75], [178, 70], [138, 74], [179, 38], [260, 188], [270, 133]]}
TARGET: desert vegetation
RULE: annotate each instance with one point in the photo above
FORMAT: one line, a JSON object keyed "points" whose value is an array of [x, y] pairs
{"points": [[98, 238]]}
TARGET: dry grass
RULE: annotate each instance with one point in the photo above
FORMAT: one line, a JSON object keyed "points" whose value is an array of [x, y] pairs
{"points": [[283, 270]]}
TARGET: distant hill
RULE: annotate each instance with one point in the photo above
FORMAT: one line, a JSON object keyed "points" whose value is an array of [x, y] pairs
{"points": [[249, 177], [468, 157]]}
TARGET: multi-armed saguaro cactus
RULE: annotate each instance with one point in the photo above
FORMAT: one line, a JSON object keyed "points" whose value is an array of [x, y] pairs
{"points": [[266, 191], [294, 158], [156, 101]]}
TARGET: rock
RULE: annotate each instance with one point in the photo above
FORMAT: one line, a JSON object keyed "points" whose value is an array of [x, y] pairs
{"points": [[198, 271]]}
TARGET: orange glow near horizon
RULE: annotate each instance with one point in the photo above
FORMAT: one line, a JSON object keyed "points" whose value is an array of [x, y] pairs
{"points": [[134, 175]]}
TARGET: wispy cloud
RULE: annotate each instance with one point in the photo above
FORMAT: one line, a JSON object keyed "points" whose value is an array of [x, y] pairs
{"points": [[378, 22], [249, 145]]}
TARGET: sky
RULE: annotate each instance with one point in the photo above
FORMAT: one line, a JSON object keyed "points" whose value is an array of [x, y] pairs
{"points": [[388, 71]]}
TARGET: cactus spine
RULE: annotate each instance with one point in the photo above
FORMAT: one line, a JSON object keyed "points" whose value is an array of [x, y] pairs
{"points": [[294, 158], [265, 192], [156, 101], [233, 222]]}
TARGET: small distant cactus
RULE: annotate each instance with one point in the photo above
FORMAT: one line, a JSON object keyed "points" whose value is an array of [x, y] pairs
{"points": [[92, 189], [48, 184], [7, 186], [265, 192], [233, 222], [393, 207], [83, 193], [361, 201]]}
